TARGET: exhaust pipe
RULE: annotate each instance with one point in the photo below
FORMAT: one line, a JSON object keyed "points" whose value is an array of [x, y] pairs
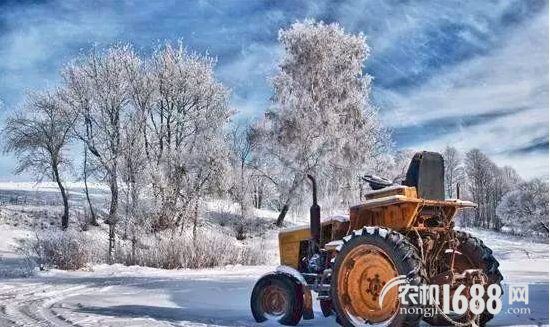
{"points": [[315, 215]]}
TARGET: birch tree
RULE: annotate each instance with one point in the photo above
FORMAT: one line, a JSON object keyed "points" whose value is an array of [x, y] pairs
{"points": [[39, 137], [134, 177], [486, 185], [479, 169]]}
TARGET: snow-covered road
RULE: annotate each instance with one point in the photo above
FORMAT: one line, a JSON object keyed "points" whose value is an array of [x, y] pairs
{"points": [[122, 296]]}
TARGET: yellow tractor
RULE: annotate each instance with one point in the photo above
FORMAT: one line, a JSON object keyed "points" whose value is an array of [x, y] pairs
{"points": [[399, 230]]}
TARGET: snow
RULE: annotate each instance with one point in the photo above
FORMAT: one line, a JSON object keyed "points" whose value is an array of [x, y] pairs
{"points": [[10, 263], [339, 218], [118, 270], [521, 260], [9, 236], [131, 296]]}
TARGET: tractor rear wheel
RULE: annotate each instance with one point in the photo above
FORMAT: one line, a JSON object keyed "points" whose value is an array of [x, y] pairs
{"points": [[472, 254], [368, 259], [277, 297]]}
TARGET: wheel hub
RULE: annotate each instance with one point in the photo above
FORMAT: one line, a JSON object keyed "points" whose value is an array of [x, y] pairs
{"points": [[375, 286], [274, 302], [365, 271]]}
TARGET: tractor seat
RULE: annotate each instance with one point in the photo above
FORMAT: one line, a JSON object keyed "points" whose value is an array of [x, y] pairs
{"points": [[426, 173], [377, 182]]}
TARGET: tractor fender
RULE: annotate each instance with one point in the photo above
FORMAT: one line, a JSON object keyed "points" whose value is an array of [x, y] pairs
{"points": [[306, 291]]}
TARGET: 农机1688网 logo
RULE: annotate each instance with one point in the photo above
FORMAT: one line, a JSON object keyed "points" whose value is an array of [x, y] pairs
{"points": [[459, 300]]}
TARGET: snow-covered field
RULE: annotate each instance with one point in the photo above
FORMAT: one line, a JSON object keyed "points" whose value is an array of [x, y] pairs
{"points": [[117, 295]]}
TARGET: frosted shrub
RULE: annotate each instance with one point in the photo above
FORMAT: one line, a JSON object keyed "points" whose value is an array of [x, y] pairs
{"points": [[72, 250], [210, 249], [63, 250], [254, 254]]}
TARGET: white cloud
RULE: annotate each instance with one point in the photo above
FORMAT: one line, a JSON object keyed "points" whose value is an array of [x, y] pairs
{"points": [[395, 21], [512, 79]]}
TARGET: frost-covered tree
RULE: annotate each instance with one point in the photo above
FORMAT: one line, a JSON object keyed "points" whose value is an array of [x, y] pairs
{"points": [[39, 136], [133, 173], [401, 161], [504, 180], [241, 145], [137, 218], [97, 87], [525, 207], [264, 186], [480, 172], [321, 121], [486, 184], [453, 170], [509, 178], [184, 133]]}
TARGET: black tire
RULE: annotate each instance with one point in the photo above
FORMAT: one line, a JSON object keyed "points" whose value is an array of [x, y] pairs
{"points": [[326, 307], [406, 261], [482, 258], [288, 290]]}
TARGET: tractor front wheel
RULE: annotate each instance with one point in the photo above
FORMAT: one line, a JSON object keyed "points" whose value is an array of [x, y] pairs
{"points": [[277, 297]]}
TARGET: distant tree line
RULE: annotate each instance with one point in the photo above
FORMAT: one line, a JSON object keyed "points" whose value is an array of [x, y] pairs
{"points": [[505, 201]]}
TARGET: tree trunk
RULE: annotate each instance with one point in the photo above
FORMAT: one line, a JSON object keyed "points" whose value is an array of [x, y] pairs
{"points": [[134, 242], [65, 217], [92, 212], [195, 220], [360, 189], [111, 241], [113, 213], [260, 198], [282, 216]]}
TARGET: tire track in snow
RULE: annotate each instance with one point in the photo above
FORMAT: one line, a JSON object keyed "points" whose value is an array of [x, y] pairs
{"points": [[32, 306]]}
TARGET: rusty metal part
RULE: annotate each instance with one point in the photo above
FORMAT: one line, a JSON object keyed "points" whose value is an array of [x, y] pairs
{"points": [[375, 286], [470, 277], [461, 271], [308, 303], [365, 271]]}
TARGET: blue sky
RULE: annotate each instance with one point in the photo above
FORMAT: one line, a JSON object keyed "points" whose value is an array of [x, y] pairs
{"points": [[464, 73]]}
